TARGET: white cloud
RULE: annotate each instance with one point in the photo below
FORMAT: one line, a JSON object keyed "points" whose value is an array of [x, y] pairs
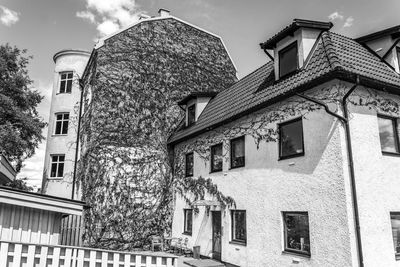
{"points": [[349, 22], [335, 15], [110, 15], [7, 16], [86, 15]]}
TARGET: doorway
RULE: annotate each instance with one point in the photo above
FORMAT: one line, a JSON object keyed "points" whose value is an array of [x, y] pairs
{"points": [[216, 235]]}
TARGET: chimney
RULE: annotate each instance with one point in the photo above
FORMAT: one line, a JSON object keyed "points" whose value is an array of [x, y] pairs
{"points": [[163, 12], [143, 16]]}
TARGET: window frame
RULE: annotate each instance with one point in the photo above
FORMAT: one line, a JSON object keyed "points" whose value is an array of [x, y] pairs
{"points": [[212, 158], [62, 123], [66, 82], [285, 247], [185, 230], [194, 118], [186, 161], [395, 126], [233, 224], [58, 162], [281, 157], [398, 56], [396, 254], [231, 151], [283, 50]]}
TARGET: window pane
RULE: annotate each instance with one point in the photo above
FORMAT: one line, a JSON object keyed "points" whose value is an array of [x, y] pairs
{"points": [[239, 225], [297, 232], [216, 158], [237, 153], [66, 116], [60, 172], [291, 138], [69, 85], [59, 117], [58, 127], [288, 60], [63, 76], [395, 219], [188, 220], [65, 127], [62, 87], [53, 170], [191, 114], [189, 164], [69, 75], [61, 158], [387, 135]]}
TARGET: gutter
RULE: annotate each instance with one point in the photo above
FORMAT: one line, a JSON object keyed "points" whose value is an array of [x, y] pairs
{"points": [[77, 138], [346, 125]]}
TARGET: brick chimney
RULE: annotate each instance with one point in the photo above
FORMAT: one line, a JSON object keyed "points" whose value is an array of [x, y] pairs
{"points": [[163, 12]]}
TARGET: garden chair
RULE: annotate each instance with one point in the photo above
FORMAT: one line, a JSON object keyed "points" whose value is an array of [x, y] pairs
{"points": [[156, 241]]}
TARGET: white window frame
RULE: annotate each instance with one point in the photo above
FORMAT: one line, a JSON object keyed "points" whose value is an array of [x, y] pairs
{"points": [[63, 120], [66, 82], [58, 162]]}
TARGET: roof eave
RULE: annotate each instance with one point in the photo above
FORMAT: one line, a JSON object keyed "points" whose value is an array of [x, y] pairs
{"points": [[394, 32], [296, 24]]}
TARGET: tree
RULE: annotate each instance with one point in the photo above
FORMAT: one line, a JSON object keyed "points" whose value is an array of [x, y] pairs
{"points": [[20, 184], [20, 125]]}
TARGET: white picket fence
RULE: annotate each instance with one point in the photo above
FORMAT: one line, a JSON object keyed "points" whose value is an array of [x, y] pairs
{"points": [[14, 254]]}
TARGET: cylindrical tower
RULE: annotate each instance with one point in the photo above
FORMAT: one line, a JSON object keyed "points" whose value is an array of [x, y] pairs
{"points": [[63, 123]]}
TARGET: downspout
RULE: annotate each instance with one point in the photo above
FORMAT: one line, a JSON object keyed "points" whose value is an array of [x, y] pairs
{"points": [[268, 54], [77, 138], [346, 125]]}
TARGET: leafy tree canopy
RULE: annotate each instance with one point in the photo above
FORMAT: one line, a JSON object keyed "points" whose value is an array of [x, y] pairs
{"points": [[20, 184], [20, 125]]}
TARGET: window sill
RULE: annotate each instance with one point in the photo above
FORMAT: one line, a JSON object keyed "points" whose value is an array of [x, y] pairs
{"points": [[55, 178], [188, 176], [66, 93], [390, 154], [296, 253], [187, 233], [236, 167], [291, 156], [55, 135], [215, 171], [240, 243]]}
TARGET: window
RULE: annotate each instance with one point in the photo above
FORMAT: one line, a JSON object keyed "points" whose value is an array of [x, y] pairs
{"points": [[398, 55], [216, 158], [297, 236], [191, 114], [237, 152], [189, 164], [188, 223], [288, 61], [291, 139], [239, 226], [66, 82], [395, 220], [62, 123], [57, 166], [388, 134]]}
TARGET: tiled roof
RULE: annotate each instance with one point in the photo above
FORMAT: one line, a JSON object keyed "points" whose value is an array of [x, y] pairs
{"points": [[332, 53]]}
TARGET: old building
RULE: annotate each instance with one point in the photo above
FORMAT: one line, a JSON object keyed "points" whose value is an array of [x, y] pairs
{"points": [[308, 147]]}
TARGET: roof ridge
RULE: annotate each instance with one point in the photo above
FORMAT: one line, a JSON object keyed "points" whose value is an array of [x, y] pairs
{"points": [[330, 50]]}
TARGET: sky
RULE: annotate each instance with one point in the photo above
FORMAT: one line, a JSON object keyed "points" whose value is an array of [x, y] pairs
{"points": [[44, 27]]}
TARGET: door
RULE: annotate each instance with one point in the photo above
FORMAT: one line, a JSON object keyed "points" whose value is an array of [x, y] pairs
{"points": [[216, 234]]}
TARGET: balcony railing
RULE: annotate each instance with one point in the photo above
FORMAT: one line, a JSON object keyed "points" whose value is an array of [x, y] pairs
{"points": [[24, 254]]}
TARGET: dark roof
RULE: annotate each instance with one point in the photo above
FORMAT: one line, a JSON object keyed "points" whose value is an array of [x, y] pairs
{"points": [[294, 26], [393, 31], [195, 95], [334, 56]]}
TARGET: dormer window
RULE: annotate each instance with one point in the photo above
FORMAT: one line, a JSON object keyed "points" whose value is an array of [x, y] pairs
{"points": [[191, 114], [288, 60]]}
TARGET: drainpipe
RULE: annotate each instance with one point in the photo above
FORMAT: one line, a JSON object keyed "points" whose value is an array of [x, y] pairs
{"points": [[77, 138], [345, 121]]}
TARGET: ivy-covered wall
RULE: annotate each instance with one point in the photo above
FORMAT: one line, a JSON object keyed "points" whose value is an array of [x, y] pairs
{"points": [[132, 84]]}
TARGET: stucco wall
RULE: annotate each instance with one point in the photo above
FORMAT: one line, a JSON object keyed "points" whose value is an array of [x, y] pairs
{"points": [[63, 144], [316, 183], [378, 184]]}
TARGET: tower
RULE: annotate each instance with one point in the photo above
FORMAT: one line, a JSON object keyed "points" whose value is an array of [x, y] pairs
{"points": [[60, 154]]}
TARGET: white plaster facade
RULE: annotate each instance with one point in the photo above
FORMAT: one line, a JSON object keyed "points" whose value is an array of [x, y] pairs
{"points": [[318, 182], [64, 144]]}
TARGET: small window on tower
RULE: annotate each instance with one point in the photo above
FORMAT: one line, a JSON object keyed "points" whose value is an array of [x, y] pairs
{"points": [[66, 82], [191, 114], [62, 120], [57, 166], [288, 60]]}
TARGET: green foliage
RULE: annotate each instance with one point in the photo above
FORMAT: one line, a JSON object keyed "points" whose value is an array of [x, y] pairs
{"points": [[20, 125], [20, 184]]}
